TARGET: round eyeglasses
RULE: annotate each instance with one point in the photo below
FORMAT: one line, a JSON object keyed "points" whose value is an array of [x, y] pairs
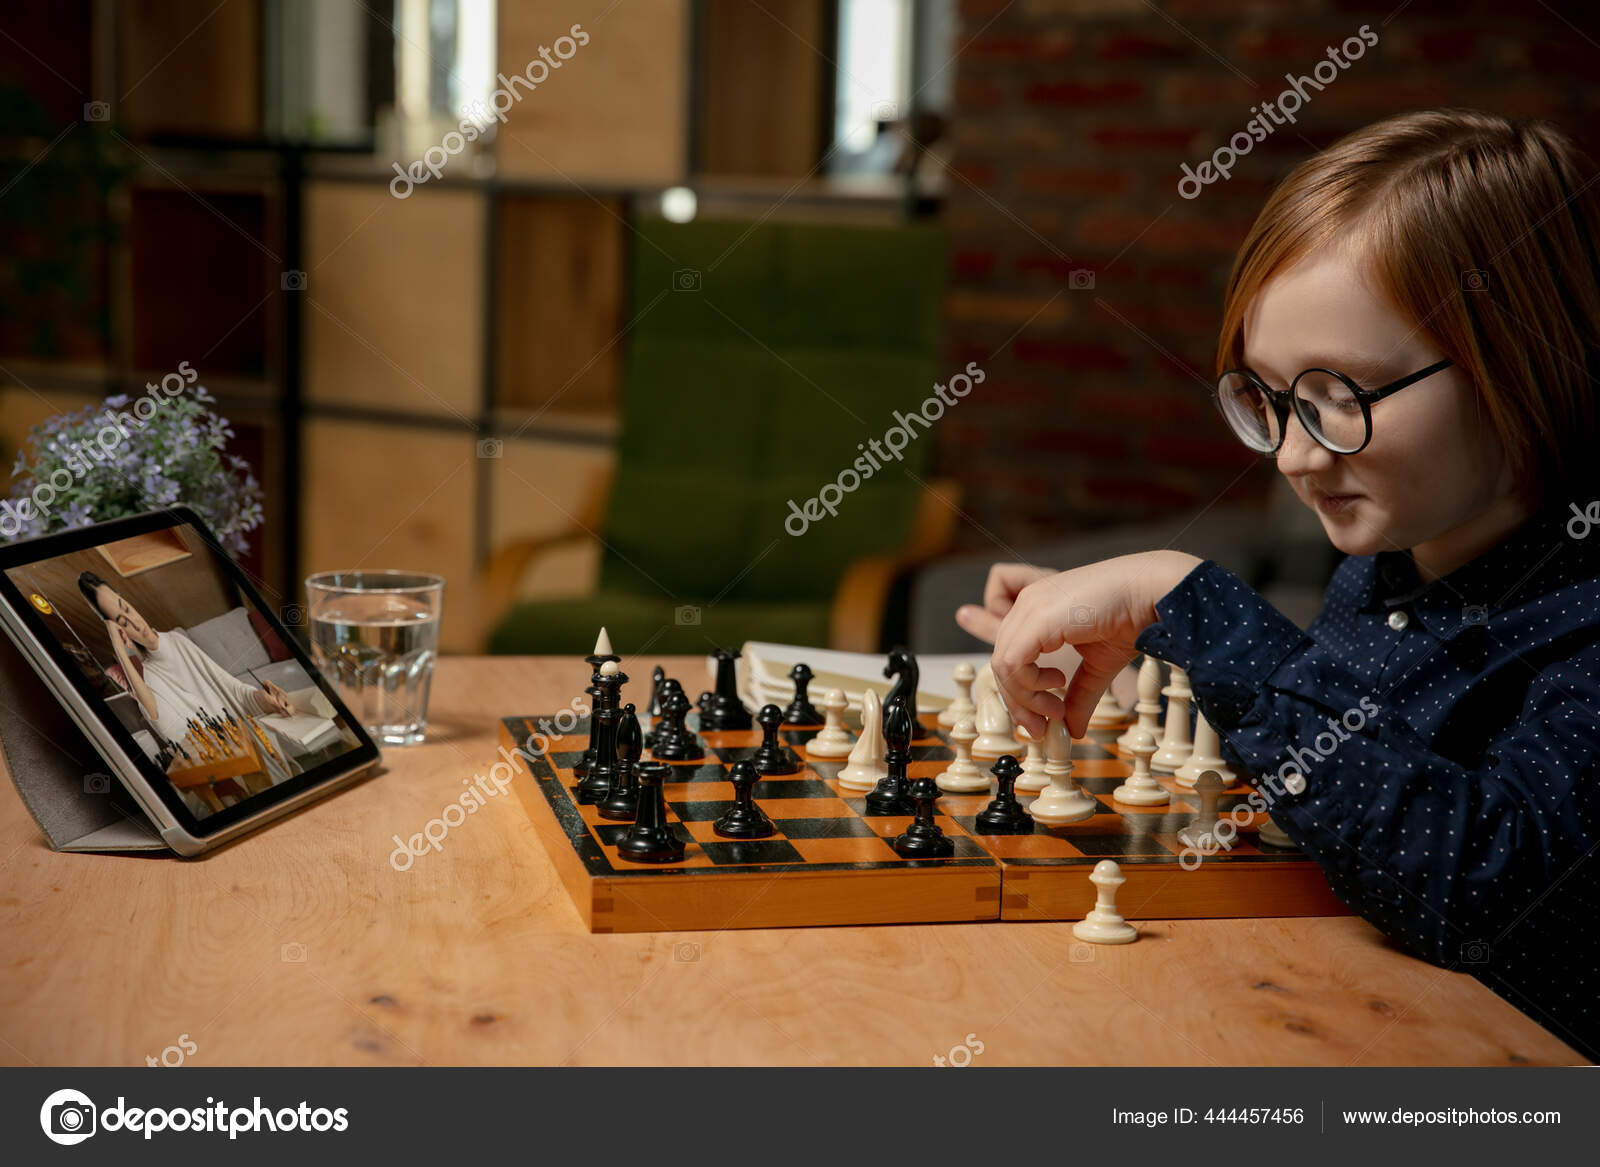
{"points": [[1334, 410]]}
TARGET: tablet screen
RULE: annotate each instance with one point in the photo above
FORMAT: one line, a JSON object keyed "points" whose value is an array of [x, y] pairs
{"points": [[176, 653]]}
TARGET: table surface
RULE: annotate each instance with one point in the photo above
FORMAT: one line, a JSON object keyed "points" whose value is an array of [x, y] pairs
{"points": [[302, 945]]}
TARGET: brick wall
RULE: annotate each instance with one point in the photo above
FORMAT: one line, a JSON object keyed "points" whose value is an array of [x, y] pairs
{"points": [[1071, 120]]}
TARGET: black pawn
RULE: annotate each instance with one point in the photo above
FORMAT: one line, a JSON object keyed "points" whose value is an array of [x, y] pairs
{"points": [[651, 839], [672, 741], [744, 819], [1005, 815], [621, 802], [773, 757], [923, 839], [658, 678], [800, 711], [890, 796]]}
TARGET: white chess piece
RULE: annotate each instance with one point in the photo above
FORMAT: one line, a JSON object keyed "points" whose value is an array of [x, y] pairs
{"points": [[1034, 776], [1176, 744], [1104, 924], [950, 716], [1200, 834], [834, 740], [964, 775], [1141, 788], [1273, 835], [867, 763], [1108, 711], [1148, 706], [602, 644], [1063, 801], [993, 722], [1207, 755]]}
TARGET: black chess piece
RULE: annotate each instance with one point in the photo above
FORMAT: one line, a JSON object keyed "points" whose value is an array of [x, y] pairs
{"points": [[650, 838], [608, 710], [596, 661], [902, 667], [889, 796], [658, 679], [744, 819], [773, 757], [1005, 815], [673, 741], [923, 839], [722, 708], [800, 711], [621, 801]]}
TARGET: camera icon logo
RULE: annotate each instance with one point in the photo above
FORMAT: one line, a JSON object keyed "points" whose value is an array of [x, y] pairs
{"points": [[491, 447], [97, 783], [1080, 280], [1475, 614], [294, 615], [292, 954], [686, 953], [67, 1117], [1081, 953], [1081, 614], [686, 279], [97, 111], [1475, 279], [686, 616], [294, 281], [1475, 952]]}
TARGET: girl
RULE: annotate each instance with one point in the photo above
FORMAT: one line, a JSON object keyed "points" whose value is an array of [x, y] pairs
{"points": [[1412, 329]]}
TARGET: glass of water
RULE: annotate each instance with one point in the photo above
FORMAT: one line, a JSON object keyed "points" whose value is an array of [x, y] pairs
{"points": [[375, 636]]}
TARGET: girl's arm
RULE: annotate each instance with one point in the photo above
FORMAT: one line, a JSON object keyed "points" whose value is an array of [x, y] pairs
{"points": [[1440, 855]]}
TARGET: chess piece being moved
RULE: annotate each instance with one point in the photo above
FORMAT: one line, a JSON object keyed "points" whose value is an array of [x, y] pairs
{"points": [[1033, 778], [950, 716], [1141, 788], [1206, 755], [834, 741], [891, 795], [673, 741], [722, 708], [621, 801], [744, 819], [1104, 924], [964, 776], [1004, 815], [866, 763], [1148, 706], [1176, 742], [800, 711], [923, 839], [772, 756], [1063, 801], [1201, 834], [650, 838], [994, 723]]}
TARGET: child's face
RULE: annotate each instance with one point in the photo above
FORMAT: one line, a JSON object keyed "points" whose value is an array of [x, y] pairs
{"points": [[1434, 469]]}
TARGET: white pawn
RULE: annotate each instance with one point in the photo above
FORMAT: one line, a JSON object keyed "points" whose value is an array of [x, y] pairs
{"points": [[834, 740], [1176, 744], [1148, 706], [1104, 924], [993, 722], [1273, 835], [1034, 776], [1201, 834], [1141, 788], [1063, 801], [1108, 711], [1207, 755], [964, 775], [950, 716], [867, 757]]}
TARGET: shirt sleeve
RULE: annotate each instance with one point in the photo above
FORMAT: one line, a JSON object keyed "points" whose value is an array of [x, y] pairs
{"points": [[1437, 854]]}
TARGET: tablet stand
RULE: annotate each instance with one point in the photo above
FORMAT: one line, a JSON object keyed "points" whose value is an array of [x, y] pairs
{"points": [[65, 784]]}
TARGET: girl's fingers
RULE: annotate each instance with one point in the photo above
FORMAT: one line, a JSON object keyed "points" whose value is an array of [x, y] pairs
{"points": [[983, 624]]}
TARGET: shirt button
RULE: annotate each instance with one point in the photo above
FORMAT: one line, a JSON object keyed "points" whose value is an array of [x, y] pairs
{"points": [[1398, 620], [1295, 783]]}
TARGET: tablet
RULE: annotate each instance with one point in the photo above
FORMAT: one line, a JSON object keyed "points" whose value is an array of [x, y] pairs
{"points": [[183, 679]]}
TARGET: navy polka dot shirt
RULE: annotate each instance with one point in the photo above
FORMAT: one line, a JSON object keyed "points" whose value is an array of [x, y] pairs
{"points": [[1434, 748]]}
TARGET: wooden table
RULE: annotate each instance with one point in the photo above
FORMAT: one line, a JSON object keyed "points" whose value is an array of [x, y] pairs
{"points": [[304, 945]]}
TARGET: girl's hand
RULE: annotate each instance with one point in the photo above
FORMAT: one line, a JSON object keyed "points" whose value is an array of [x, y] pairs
{"points": [[121, 642], [1006, 581], [1099, 610], [278, 699]]}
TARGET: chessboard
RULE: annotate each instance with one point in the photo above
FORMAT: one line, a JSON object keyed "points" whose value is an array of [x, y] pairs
{"points": [[830, 860]]}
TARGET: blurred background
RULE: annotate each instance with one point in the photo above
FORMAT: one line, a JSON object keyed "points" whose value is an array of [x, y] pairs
{"points": [[579, 303]]}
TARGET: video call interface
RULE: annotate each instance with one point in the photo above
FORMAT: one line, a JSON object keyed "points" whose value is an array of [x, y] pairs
{"points": [[195, 673]]}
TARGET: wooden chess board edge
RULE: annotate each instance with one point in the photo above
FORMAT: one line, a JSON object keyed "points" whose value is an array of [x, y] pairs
{"points": [[1211, 891]]}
